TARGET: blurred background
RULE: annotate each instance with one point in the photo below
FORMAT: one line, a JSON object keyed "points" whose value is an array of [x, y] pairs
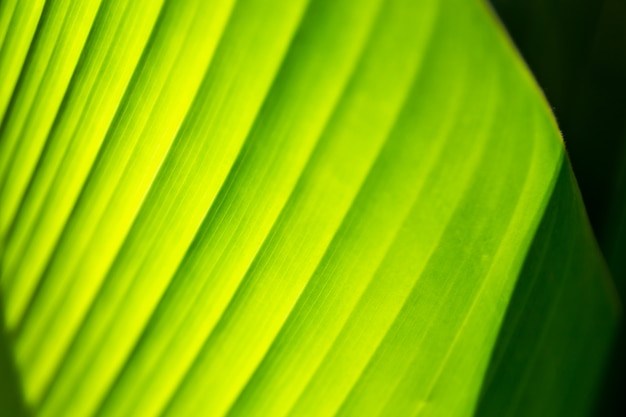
{"points": [[577, 51]]}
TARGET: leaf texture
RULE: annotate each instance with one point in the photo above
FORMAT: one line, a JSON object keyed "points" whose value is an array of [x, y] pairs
{"points": [[273, 208]]}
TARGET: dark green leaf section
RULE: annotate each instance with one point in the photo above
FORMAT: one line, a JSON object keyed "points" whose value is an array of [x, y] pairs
{"points": [[11, 398], [577, 51], [616, 233], [552, 347]]}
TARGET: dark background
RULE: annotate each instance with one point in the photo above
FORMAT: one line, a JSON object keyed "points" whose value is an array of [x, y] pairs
{"points": [[577, 51]]}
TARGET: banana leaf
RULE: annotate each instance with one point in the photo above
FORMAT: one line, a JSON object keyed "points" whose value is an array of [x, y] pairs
{"points": [[273, 208]]}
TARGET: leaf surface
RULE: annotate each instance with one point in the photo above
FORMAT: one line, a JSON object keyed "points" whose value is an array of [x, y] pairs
{"points": [[268, 207]]}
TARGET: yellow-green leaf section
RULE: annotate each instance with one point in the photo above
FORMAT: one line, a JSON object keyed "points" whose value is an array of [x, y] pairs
{"points": [[287, 208]]}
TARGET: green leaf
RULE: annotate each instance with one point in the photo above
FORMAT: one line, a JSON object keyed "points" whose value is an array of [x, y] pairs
{"points": [[271, 207]]}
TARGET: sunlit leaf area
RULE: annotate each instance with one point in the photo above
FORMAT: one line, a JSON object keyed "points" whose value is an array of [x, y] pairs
{"points": [[311, 208]]}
